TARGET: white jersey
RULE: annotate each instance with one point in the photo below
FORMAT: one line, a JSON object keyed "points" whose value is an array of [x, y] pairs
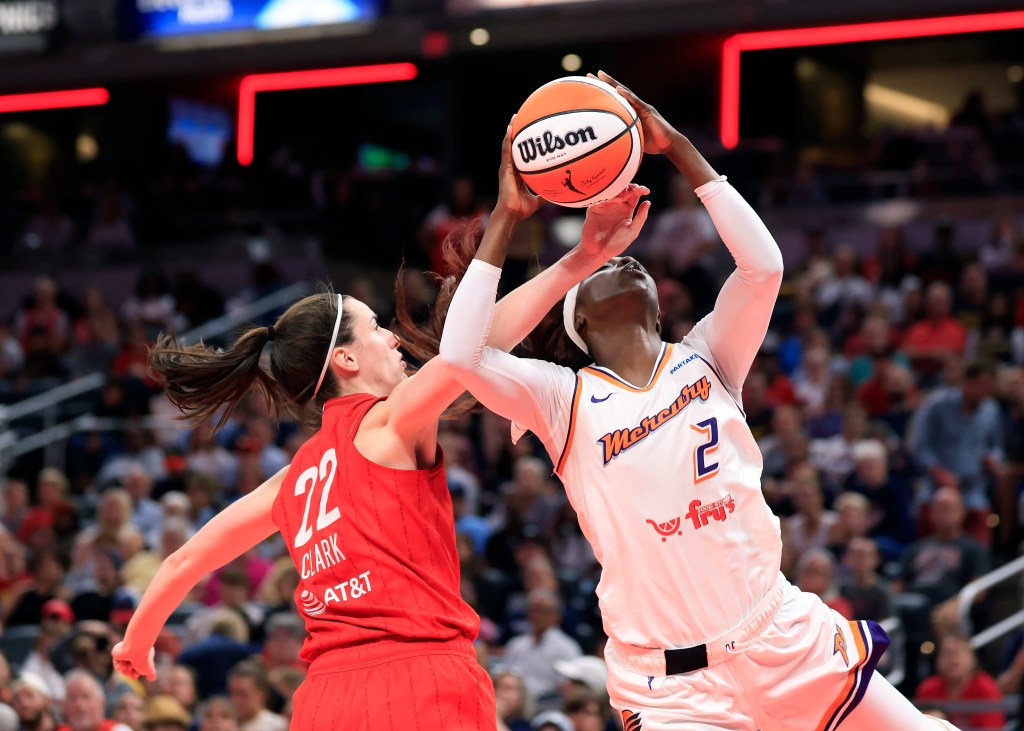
{"points": [[666, 482], [665, 478]]}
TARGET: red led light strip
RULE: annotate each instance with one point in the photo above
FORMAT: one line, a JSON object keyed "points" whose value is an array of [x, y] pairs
{"points": [[53, 100], [729, 129], [318, 78]]}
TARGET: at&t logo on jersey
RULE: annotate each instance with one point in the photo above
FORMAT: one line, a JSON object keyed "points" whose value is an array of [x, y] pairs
{"points": [[618, 441], [343, 591], [310, 604], [700, 514]]}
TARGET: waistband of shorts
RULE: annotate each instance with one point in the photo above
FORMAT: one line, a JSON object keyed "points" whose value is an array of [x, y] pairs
{"points": [[378, 651], [648, 661]]}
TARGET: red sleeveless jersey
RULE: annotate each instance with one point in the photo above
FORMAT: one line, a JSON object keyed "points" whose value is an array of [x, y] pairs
{"points": [[374, 546]]}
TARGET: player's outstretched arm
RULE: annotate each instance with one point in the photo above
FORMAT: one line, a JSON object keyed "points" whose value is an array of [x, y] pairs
{"points": [[415, 405], [228, 535], [520, 389]]}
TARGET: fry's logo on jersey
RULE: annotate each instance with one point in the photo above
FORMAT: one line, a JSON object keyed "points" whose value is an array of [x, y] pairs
{"points": [[700, 514], [618, 441]]}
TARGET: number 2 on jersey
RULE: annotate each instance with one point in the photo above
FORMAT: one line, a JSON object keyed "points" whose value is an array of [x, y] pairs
{"points": [[702, 469], [306, 485]]}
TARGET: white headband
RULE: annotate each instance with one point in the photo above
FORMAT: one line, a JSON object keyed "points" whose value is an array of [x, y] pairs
{"points": [[330, 350], [569, 319]]}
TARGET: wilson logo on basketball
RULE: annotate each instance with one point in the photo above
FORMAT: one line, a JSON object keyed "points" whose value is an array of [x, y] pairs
{"points": [[310, 604], [618, 441], [667, 528], [543, 145]]}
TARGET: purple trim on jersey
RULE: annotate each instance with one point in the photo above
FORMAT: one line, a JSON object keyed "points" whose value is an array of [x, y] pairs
{"points": [[876, 641], [724, 384]]}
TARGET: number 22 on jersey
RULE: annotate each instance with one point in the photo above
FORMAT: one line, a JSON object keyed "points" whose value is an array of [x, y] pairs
{"points": [[309, 480]]}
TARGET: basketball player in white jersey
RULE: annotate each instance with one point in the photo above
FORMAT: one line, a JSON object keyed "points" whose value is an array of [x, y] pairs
{"points": [[651, 443]]}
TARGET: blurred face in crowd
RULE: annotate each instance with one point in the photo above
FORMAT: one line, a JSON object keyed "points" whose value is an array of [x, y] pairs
{"points": [[15, 497], [48, 571], [786, 420], [872, 470], [182, 685], [282, 646], [938, 301], [29, 704], [543, 614], [138, 483], [806, 490], [853, 514], [218, 715], [246, 696], [815, 575], [112, 514], [129, 710], [947, 511], [587, 717], [509, 695], [956, 660], [861, 557], [529, 476], [50, 492], [83, 706]]}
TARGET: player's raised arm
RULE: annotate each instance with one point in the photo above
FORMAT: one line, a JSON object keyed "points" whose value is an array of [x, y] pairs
{"points": [[415, 404], [521, 389], [247, 521], [736, 328]]}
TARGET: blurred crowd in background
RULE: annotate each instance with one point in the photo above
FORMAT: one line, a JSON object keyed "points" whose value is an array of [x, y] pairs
{"points": [[887, 399]]}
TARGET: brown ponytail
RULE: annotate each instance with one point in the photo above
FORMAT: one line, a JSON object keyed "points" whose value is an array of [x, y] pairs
{"points": [[201, 380]]}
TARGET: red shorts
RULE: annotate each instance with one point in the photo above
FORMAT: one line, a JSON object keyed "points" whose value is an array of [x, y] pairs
{"points": [[396, 686]]}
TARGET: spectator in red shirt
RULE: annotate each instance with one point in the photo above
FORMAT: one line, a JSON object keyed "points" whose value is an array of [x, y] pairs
{"points": [[929, 343], [960, 679]]}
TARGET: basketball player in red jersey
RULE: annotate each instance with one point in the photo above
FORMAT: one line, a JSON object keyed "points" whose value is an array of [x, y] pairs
{"points": [[364, 507]]}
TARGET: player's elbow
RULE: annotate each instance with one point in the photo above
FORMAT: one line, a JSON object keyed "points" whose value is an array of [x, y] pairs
{"points": [[457, 356]]}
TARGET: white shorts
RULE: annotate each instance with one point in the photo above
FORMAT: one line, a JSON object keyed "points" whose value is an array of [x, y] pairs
{"points": [[805, 671]]}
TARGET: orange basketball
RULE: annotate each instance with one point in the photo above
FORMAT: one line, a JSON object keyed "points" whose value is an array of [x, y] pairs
{"points": [[576, 141]]}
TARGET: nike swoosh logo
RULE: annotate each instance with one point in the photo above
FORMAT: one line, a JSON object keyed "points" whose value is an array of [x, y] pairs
{"points": [[596, 400]]}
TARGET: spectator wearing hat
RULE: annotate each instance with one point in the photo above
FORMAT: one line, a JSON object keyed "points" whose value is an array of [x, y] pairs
{"points": [[249, 689], [585, 671], [165, 713], [217, 714], [30, 698], [84, 705], [57, 618], [534, 653], [123, 604], [551, 721]]}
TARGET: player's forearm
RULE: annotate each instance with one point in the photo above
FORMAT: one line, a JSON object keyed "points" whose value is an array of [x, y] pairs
{"points": [[494, 244], [520, 311], [467, 326], [229, 534], [758, 258], [689, 162]]}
